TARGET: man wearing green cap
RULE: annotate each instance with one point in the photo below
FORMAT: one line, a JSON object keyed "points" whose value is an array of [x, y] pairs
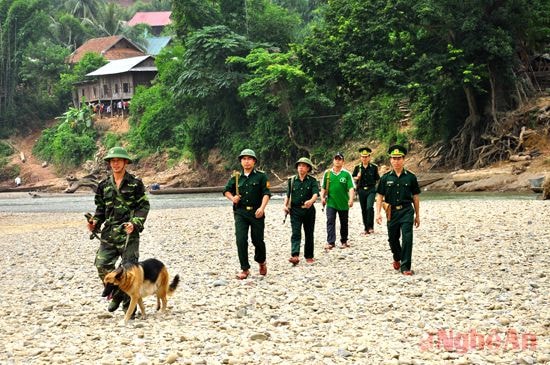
{"points": [[248, 190], [399, 188], [122, 207], [302, 192], [366, 176]]}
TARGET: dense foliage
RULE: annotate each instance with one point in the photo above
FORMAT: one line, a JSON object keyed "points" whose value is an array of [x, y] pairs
{"points": [[70, 142], [36, 36], [287, 78]]}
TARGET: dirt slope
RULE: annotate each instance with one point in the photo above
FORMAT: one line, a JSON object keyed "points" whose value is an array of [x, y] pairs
{"points": [[502, 176], [32, 172]]}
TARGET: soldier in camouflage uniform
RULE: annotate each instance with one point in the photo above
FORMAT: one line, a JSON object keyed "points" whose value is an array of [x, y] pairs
{"points": [[122, 207]]}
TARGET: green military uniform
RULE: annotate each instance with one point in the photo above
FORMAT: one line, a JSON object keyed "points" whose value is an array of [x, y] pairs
{"points": [[252, 189], [366, 189], [398, 191], [298, 192], [115, 206]]}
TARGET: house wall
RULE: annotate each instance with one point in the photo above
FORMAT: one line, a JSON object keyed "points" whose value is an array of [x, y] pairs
{"points": [[114, 87]]}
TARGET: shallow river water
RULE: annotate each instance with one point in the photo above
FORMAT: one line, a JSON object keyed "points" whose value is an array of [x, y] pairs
{"points": [[72, 203]]}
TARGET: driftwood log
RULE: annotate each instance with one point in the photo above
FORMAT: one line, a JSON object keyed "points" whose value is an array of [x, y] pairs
{"points": [[546, 188], [90, 181]]}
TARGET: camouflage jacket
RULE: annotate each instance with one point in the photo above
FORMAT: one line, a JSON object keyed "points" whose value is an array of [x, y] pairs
{"points": [[115, 206]]}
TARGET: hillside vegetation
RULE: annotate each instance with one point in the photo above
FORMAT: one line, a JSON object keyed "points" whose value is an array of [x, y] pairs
{"points": [[288, 78]]}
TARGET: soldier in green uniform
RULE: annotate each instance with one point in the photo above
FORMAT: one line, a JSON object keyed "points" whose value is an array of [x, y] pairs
{"points": [[366, 176], [121, 207], [249, 192], [302, 192], [399, 188]]}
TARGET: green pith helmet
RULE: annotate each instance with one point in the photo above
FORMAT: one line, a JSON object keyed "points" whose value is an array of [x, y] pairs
{"points": [[248, 152], [305, 160], [117, 152]]}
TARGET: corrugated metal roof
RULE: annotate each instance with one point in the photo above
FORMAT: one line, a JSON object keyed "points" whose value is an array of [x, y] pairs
{"points": [[123, 65], [152, 18], [156, 44]]}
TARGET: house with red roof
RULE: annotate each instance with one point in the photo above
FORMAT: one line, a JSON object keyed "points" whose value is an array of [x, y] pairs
{"points": [[112, 48], [157, 20]]}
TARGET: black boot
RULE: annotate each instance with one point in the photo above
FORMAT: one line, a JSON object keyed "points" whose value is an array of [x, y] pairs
{"points": [[118, 297]]}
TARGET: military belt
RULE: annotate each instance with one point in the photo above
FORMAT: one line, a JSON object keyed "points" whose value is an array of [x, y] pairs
{"points": [[399, 207]]}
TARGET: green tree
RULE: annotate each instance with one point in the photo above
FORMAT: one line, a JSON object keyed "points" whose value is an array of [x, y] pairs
{"points": [[192, 15], [89, 62], [271, 24], [84, 9], [442, 55], [282, 101], [207, 86], [21, 25]]}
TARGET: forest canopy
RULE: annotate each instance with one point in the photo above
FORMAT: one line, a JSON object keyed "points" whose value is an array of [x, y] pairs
{"points": [[289, 78]]}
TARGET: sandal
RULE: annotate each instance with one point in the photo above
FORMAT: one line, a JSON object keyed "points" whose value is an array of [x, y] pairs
{"points": [[345, 245], [263, 269], [243, 274], [328, 247], [294, 260]]}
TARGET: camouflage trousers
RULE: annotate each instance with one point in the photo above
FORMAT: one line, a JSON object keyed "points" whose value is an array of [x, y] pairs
{"points": [[107, 256]]}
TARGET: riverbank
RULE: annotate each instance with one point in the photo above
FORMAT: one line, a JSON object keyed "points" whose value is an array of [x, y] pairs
{"points": [[482, 272]]}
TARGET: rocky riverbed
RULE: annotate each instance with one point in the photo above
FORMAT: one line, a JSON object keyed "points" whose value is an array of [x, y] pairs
{"points": [[481, 293]]}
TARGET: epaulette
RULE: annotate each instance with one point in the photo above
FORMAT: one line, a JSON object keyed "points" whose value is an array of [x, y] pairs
{"points": [[260, 171], [407, 170], [374, 164]]}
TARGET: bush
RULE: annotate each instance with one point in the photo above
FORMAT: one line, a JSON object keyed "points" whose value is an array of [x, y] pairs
{"points": [[5, 150], [384, 116], [111, 139], [65, 148], [8, 172], [154, 119]]}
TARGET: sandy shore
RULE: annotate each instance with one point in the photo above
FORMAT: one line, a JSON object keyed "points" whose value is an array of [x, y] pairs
{"points": [[481, 294]]}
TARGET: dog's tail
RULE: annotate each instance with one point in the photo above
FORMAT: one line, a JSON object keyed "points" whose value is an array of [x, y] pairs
{"points": [[173, 285]]}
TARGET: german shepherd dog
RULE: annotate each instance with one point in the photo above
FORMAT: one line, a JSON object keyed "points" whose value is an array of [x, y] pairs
{"points": [[139, 281]]}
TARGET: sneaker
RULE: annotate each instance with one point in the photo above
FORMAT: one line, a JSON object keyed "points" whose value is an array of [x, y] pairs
{"points": [[113, 305]]}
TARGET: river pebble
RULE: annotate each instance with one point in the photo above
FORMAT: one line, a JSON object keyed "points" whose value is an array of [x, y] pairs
{"points": [[481, 293]]}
